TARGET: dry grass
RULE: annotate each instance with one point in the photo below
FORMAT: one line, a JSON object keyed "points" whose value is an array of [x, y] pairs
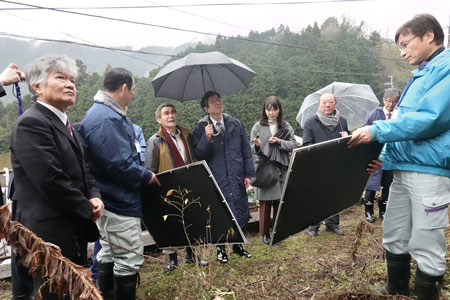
{"points": [[325, 267]]}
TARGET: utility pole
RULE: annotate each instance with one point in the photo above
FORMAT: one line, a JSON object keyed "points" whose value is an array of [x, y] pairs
{"points": [[392, 81]]}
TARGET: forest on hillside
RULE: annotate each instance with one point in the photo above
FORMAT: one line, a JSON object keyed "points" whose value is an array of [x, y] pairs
{"points": [[290, 65]]}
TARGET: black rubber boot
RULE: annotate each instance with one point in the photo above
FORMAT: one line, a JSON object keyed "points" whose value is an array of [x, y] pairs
{"points": [[382, 207], [105, 280], [398, 274], [190, 259], [427, 287], [125, 287], [173, 262], [368, 206]]}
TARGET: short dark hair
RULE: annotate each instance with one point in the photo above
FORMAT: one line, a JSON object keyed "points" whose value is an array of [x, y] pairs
{"points": [[161, 106], [272, 101], [116, 77], [208, 94], [421, 24]]}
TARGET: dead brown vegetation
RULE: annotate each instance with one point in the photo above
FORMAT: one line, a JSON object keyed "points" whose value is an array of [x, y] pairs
{"points": [[60, 275]]}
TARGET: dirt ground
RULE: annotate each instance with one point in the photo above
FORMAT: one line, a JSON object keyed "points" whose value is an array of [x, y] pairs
{"points": [[325, 267]]}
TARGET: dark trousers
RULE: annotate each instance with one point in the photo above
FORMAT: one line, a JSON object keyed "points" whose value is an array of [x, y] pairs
{"points": [[369, 196], [331, 223], [22, 282], [386, 181], [24, 286], [265, 208]]}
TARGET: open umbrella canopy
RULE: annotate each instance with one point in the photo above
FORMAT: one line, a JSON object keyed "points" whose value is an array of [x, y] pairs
{"points": [[192, 76], [354, 102]]}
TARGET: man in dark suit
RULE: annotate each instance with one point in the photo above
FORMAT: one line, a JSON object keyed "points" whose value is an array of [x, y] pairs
{"points": [[55, 196]]}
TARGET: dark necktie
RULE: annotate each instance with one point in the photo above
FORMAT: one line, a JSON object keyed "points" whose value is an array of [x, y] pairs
{"points": [[389, 115], [69, 128]]}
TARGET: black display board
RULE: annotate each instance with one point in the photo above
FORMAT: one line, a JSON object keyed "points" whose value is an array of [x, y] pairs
{"points": [[323, 179], [190, 194]]}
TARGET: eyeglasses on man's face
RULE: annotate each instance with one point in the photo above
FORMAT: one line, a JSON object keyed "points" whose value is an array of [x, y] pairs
{"points": [[390, 101], [403, 44]]}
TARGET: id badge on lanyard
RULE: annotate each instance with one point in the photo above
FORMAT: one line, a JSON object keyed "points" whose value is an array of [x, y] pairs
{"points": [[138, 147]]}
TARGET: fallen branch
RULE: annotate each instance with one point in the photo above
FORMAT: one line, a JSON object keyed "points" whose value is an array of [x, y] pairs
{"points": [[291, 292], [330, 271], [60, 275], [363, 226]]}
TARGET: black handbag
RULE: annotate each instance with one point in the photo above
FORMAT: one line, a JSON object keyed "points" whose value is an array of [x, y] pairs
{"points": [[266, 174]]}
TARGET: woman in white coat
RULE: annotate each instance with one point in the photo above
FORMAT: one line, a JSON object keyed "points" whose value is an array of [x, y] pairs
{"points": [[272, 141]]}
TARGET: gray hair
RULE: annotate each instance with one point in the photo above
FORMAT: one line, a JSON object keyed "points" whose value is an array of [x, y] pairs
{"points": [[161, 106], [37, 72], [391, 93]]}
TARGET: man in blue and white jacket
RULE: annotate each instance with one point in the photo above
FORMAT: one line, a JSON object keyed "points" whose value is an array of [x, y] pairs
{"points": [[418, 150]]}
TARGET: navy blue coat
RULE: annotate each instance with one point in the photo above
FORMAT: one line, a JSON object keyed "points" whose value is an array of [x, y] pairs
{"points": [[375, 179], [315, 132], [108, 141], [230, 159]]}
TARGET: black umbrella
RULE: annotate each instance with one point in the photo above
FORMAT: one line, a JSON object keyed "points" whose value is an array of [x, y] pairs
{"points": [[192, 76]]}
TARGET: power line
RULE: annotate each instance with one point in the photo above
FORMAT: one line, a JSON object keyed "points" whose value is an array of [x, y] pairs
{"points": [[198, 16], [186, 5], [316, 71], [90, 43], [188, 30], [84, 44], [143, 52], [116, 51]]}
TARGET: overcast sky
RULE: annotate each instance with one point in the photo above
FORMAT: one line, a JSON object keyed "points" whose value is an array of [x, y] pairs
{"points": [[381, 15]]}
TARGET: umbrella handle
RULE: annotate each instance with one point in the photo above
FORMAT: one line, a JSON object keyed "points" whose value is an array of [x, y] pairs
{"points": [[210, 122], [218, 132]]}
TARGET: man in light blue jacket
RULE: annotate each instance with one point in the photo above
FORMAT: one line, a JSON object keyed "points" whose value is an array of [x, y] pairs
{"points": [[418, 150]]}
